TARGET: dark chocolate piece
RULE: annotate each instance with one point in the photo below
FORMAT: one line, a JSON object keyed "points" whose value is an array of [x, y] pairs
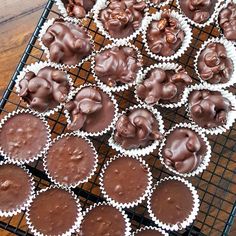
{"points": [[227, 21], [209, 109], [122, 17], [157, 1], [45, 90], [67, 43], [165, 86], [136, 129], [214, 65], [172, 202], [149, 232], [91, 110], [117, 65], [184, 150], [120, 180]]}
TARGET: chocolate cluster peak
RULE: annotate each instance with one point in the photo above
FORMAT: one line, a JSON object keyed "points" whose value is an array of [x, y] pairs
{"points": [[136, 129], [209, 109], [67, 43], [214, 65], [122, 17], [163, 85], [165, 36], [117, 65], [45, 90]]}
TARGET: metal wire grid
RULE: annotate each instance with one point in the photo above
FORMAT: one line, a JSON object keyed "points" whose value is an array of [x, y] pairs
{"points": [[216, 186]]}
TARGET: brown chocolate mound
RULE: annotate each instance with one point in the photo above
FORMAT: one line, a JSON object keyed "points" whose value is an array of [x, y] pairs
{"points": [[157, 1]]}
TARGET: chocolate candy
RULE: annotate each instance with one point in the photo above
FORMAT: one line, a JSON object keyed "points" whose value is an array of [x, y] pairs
{"points": [[149, 232], [227, 21], [67, 43], [92, 110], [209, 109], [198, 10], [184, 150], [45, 90], [118, 65], [157, 1], [214, 65], [136, 129], [122, 17], [165, 86], [165, 36]]}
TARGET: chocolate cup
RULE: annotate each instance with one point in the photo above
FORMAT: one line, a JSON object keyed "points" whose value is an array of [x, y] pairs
{"points": [[158, 6], [143, 229]]}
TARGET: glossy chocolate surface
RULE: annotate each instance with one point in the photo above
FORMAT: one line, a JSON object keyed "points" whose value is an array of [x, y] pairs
{"points": [[149, 232]]}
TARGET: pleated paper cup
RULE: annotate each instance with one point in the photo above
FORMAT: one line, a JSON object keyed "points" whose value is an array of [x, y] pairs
{"points": [[158, 6], [143, 229]]}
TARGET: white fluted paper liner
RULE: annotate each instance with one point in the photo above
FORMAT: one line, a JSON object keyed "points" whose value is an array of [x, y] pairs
{"points": [[14, 160], [23, 206], [74, 185], [139, 151], [122, 87], [109, 127], [207, 155], [231, 53], [73, 228], [35, 67], [128, 204], [183, 25], [189, 220], [162, 4], [126, 219], [143, 229], [101, 4], [231, 115], [43, 30], [164, 66]]}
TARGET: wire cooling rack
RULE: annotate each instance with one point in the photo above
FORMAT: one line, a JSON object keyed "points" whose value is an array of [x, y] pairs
{"points": [[215, 186]]}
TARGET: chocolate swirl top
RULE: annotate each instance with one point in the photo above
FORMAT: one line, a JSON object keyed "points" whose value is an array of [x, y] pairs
{"points": [[165, 36], [214, 65], [45, 90], [209, 109], [122, 17], [67, 43], [117, 65]]}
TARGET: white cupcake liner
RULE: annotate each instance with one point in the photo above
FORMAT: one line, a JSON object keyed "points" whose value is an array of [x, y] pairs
{"points": [[14, 160], [73, 228], [207, 155], [35, 67], [101, 4], [126, 219], [151, 4], [231, 115], [183, 25], [23, 206], [230, 49], [139, 151], [128, 204], [43, 30], [122, 87], [164, 66], [189, 220], [74, 185], [148, 228]]}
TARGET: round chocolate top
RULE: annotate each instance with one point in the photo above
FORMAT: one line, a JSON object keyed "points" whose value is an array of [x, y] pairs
{"points": [[70, 160], [122, 17], [184, 150], [149, 232], [15, 187], [67, 43], [199, 11], [23, 136], [165, 36], [214, 65], [125, 180], [92, 110], [53, 212], [103, 220], [45, 90], [209, 109], [227, 21], [165, 86], [172, 202], [136, 129], [118, 65]]}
